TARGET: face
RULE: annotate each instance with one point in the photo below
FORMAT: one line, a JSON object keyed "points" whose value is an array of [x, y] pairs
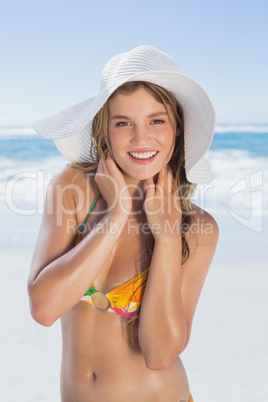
{"points": [[140, 133]]}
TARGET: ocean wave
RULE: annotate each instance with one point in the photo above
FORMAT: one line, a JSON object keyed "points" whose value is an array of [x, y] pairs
{"points": [[11, 132], [258, 129], [239, 186]]}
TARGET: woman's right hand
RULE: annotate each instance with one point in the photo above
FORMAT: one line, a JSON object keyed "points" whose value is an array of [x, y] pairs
{"points": [[113, 187]]}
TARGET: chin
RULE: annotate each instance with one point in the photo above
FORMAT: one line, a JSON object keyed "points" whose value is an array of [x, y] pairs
{"points": [[141, 176]]}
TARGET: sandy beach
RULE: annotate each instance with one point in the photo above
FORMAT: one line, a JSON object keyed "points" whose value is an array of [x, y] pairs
{"points": [[226, 358]]}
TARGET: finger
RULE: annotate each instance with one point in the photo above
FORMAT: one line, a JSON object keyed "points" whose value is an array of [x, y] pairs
{"points": [[150, 188], [115, 173], [104, 165], [168, 181], [111, 165], [160, 186], [100, 165], [102, 170]]}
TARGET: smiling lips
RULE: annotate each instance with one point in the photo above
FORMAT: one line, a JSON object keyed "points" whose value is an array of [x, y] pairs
{"points": [[143, 157]]}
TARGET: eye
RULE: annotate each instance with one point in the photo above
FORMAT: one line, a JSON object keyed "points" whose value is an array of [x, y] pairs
{"points": [[122, 124], [158, 121]]}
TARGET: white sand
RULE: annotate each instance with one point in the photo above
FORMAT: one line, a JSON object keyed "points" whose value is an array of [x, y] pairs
{"points": [[226, 359], [30, 353]]}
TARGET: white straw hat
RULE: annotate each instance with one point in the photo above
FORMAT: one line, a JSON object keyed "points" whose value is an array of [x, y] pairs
{"points": [[71, 128]]}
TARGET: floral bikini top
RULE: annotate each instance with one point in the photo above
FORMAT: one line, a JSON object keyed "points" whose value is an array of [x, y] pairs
{"points": [[126, 298]]}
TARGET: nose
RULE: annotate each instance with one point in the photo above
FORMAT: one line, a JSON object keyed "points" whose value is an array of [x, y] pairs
{"points": [[140, 135]]}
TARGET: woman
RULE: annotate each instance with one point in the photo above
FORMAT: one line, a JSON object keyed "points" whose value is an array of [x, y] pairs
{"points": [[122, 206]]}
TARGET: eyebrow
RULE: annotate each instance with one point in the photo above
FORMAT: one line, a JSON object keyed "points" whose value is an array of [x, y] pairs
{"points": [[157, 114]]}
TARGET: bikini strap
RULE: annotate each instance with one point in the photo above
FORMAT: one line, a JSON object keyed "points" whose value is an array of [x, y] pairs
{"points": [[89, 212]]}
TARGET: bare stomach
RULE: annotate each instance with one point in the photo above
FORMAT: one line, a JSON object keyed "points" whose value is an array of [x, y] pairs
{"points": [[99, 363]]}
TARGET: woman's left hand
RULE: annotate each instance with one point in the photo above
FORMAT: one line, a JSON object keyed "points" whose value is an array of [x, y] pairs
{"points": [[162, 205]]}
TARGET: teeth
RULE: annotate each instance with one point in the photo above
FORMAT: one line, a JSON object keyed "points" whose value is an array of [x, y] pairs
{"points": [[144, 155]]}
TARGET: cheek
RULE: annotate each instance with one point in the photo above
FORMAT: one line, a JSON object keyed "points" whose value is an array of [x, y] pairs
{"points": [[115, 148], [116, 145], [118, 142], [168, 140], [170, 143]]}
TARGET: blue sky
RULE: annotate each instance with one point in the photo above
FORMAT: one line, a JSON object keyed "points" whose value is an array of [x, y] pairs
{"points": [[52, 52]]}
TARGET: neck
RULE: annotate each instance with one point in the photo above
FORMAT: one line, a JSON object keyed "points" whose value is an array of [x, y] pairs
{"points": [[137, 191]]}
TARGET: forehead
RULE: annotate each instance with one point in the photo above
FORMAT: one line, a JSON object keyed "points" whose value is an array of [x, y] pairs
{"points": [[140, 100]]}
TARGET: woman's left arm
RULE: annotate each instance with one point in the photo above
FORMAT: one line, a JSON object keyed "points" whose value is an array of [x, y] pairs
{"points": [[172, 290]]}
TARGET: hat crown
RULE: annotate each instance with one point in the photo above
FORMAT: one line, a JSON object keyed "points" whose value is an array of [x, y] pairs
{"points": [[139, 60]]}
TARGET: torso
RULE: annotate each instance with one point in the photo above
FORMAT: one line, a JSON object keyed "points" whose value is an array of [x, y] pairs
{"points": [[99, 361]]}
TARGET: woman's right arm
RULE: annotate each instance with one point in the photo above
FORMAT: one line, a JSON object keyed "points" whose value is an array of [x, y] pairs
{"points": [[61, 273]]}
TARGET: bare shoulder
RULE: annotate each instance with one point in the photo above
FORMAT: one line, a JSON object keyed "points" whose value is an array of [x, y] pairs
{"points": [[204, 230], [65, 205], [70, 175], [74, 184]]}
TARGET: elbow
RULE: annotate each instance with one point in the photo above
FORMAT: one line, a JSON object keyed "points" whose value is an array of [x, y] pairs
{"points": [[158, 364], [162, 361], [40, 312], [41, 317], [161, 354]]}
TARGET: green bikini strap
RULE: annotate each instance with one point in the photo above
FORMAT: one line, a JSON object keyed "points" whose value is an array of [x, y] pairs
{"points": [[89, 212]]}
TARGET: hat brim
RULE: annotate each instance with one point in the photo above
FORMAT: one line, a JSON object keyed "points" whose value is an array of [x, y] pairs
{"points": [[71, 128]]}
